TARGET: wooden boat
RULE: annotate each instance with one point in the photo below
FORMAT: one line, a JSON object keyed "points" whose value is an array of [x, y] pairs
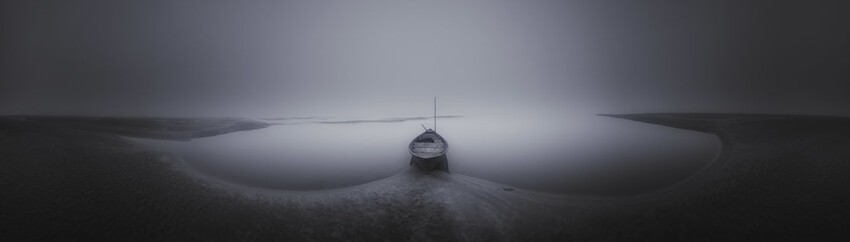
{"points": [[429, 145], [429, 148]]}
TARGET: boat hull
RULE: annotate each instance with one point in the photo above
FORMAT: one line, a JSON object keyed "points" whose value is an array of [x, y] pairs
{"points": [[429, 151], [440, 163]]}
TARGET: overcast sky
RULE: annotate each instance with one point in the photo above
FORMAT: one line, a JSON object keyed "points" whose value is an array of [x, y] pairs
{"points": [[361, 58]]}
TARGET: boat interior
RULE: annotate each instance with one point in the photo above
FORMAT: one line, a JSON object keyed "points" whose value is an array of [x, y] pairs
{"points": [[428, 142]]}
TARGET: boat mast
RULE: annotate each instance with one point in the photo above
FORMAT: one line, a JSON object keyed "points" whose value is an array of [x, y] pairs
{"points": [[435, 114]]}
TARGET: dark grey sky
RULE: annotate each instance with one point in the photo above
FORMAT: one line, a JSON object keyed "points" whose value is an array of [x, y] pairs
{"points": [[273, 58]]}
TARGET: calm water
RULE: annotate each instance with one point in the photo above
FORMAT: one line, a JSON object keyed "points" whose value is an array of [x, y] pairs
{"points": [[535, 152]]}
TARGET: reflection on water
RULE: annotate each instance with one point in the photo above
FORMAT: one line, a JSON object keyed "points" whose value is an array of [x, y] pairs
{"points": [[569, 154]]}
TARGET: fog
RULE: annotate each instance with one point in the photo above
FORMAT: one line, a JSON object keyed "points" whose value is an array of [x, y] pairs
{"points": [[388, 58], [528, 76]]}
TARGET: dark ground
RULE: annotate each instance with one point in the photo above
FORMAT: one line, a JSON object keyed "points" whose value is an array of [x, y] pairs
{"points": [[779, 177]]}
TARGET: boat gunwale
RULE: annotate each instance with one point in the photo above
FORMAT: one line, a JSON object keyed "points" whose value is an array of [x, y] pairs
{"points": [[443, 152]]}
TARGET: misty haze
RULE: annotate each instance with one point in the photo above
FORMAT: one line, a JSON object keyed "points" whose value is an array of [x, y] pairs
{"points": [[436, 120]]}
